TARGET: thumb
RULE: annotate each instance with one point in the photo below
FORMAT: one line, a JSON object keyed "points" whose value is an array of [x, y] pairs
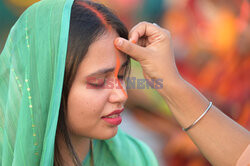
{"points": [[135, 51]]}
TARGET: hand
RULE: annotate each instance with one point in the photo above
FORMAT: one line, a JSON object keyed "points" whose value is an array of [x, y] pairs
{"points": [[150, 45]]}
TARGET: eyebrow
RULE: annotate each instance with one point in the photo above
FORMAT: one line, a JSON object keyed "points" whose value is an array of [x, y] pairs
{"points": [[103, 71]]}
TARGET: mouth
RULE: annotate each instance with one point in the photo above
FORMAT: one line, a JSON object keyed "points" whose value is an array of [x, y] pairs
{"points": [[114, 117], [114, 114]]}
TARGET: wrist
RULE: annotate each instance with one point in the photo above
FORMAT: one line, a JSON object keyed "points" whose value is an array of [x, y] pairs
{"points": [[172, 86]]}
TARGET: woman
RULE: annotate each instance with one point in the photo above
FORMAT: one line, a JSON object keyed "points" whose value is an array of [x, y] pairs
{"points": [[65, 47]]}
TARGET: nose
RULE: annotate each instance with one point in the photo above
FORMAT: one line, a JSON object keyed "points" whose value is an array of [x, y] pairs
{"points": [[118, 93]]}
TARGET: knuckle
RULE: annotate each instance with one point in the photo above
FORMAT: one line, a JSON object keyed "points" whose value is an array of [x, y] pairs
{"points": [[129, 35], [156, 25], [144, 23], [167, 34], [128, 47]]}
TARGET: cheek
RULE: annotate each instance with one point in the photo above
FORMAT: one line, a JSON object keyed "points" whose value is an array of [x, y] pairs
{"points": [[85, 108]]}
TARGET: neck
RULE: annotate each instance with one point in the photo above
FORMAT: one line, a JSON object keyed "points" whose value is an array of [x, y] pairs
{"points": [[81, 147]]}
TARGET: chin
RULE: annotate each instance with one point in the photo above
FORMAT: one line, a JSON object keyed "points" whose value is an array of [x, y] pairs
{"points": [[107, 133]]}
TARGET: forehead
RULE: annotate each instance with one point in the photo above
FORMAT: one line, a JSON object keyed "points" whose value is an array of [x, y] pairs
{"points": [[101, 54]]}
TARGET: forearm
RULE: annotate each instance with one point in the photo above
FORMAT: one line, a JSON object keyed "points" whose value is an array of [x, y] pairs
{"points": [[219, 138]]}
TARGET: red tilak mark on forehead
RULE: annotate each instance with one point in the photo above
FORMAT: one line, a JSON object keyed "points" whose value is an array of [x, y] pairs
{"points": [[116, 75], [117, 65], [98, 14]]}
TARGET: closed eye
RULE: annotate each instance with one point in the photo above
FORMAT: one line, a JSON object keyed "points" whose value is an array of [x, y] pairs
{"points": [[96, 82], [97, 85]]}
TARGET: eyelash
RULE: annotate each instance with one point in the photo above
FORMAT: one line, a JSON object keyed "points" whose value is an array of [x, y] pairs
{"points": [[100, 85]]}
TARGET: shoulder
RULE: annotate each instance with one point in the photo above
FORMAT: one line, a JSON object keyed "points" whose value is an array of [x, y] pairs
{"points": [[131, 150]]}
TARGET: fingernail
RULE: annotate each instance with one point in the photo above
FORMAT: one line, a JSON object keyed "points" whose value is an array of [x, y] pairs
{"points": [[118, 42], [132, 40]]}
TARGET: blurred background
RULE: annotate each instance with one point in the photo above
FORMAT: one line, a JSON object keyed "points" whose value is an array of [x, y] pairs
{"points": [[211, 39]]}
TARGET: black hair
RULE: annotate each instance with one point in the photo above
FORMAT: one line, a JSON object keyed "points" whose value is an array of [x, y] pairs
{"points": [[85, 28]]}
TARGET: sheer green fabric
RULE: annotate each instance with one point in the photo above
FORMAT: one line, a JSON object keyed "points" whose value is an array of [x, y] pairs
{"points": [[31, 77], [122, 150]]}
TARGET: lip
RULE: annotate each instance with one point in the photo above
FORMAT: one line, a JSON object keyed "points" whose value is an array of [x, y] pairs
{"points": [[116, 120], [114, 112], [113, 121]]}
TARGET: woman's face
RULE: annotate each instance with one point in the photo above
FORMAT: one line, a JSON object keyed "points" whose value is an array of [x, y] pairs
{"points": [[87, 104]]}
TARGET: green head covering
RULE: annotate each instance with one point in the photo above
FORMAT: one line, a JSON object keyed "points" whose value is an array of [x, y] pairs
{"points": [[31, 77]]}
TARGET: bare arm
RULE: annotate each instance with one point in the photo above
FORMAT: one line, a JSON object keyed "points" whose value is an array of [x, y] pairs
{"points": [[219, 138]]}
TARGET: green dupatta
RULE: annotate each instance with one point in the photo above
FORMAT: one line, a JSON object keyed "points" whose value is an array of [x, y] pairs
{"points": [[31, 77]]}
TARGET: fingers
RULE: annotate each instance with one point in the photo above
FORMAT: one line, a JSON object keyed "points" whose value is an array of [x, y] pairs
{"points": [[143, 29], [143, 34], [130, 48], [156, 25]]}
